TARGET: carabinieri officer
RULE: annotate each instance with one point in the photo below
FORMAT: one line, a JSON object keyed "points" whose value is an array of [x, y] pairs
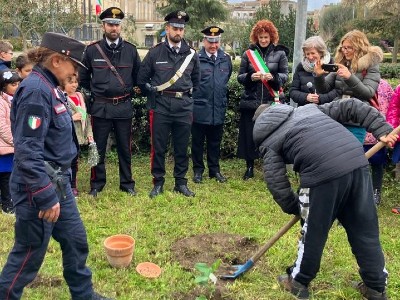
{"points": [[171, 72], [45, 143], [113, 64]]}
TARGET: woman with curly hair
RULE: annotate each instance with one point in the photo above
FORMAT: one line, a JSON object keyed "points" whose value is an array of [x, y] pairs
{"points": [[358, 74], [263, 71]]}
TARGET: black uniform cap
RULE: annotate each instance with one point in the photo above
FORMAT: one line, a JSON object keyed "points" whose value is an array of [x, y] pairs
{"points": [[212, 33], [177, 18], [112, 15], [64, 45]]}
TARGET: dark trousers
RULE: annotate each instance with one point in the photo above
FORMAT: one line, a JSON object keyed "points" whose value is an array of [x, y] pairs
{"points": [[350, 200], [122, 130], [32, 236], [5, 188], [212, 135], [74, 171], [161, 128]]}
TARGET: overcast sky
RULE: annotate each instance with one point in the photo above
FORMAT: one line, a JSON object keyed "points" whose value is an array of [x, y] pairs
{"points": [[312, 4]]}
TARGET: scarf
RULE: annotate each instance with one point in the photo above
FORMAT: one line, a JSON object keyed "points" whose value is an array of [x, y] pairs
{"points": [[309, 66]]}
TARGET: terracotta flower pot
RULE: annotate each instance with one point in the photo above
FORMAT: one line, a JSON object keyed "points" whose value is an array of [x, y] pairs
{"points": [[119, 249]]}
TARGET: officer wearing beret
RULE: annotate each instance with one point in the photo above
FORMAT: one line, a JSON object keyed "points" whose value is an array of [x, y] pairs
{"points": [[210, 102], [111, 91], [169, 74], [45, 143]]}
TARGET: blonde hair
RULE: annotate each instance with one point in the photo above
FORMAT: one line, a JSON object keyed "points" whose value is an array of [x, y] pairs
{"points": [[360, 44]]}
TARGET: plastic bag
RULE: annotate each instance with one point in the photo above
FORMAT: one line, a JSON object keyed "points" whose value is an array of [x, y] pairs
{"points": [[93, 157]]}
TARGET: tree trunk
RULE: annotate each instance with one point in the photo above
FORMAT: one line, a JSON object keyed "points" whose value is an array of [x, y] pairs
{"points": [[395, 50]]}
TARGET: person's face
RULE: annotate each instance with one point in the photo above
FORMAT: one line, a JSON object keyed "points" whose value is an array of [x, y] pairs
{"points": [[112, 31], [174, 34], [71, 85], [10, 88], [211, 47], [264, 39], [312, 54], [24, 72], [7, 56], [348, 50], [62, 67]]}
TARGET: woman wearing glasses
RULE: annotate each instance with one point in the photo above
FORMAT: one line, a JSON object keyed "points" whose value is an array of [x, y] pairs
{"points": [[357, 77]]}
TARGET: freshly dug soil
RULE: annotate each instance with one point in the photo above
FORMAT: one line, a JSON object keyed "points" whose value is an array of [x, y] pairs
{"points": [[207, 248]]}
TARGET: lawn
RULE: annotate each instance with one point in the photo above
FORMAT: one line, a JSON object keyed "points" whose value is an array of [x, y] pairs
{"points": [[236, 207]]}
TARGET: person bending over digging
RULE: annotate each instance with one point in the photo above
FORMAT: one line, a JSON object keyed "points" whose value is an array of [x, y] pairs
{"points": [[334, 172]]}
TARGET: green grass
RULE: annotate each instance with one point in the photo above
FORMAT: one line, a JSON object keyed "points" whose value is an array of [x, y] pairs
{"points": [[237, 207]]}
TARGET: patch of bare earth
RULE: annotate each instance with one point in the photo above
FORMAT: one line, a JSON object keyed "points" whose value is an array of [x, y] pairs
{"points": [[44, 281], [207, 248]]}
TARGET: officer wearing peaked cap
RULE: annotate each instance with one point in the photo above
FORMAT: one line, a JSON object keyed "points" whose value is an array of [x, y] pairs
{"points": [[45, 143], [171, 72], [111, 91], [112, 15], [210, 103]]}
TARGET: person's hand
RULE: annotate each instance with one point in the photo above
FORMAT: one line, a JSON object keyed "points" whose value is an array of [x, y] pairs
{"points": [[77, 116], [318, 71], [343, 71], [389, 139], [256, 76], [90, 139], [51, 214], [313, 98]]}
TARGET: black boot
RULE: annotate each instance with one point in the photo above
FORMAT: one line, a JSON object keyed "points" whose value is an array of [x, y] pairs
{"points": [[249, 173], [377, 196]]}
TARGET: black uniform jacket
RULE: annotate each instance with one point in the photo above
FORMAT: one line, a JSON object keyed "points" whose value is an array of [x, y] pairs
{"points": [[100, 80], [159, 66]]}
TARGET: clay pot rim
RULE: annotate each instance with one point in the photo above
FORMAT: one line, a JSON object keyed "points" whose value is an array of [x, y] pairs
{"points": [[115, 236], [149, 265]]}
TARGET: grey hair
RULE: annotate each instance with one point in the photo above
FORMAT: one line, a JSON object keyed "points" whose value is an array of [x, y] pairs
{"points": [[315, 42]]}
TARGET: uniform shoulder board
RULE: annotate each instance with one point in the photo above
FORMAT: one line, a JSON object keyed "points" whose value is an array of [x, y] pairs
{"points": [[130, 43], [94, 42], [158, 44]]}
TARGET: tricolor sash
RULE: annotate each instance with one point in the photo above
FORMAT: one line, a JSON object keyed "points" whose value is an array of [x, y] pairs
{"points": [[259, 65]]}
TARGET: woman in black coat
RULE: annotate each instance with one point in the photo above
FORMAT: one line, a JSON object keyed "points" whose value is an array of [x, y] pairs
{"points": [[260, 86], [302, 90]]}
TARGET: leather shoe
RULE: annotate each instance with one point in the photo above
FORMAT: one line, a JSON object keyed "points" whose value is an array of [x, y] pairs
{"points": [[157, 190], [93, 192], [131, 192], [219, 177], [248, 174], [197, 178], [184, 190]]}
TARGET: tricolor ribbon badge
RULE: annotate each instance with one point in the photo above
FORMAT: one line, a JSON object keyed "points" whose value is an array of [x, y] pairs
{"points": [[34, 122]]}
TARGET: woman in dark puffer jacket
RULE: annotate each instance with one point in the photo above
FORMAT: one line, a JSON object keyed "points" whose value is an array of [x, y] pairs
{"points": [[259, 85], [302, 90]]}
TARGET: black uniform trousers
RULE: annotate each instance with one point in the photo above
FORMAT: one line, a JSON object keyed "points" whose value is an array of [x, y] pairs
{"points": [[350, 200], [4, 188], [212, 135], [122, 130], [161, 128], [32, 236]]}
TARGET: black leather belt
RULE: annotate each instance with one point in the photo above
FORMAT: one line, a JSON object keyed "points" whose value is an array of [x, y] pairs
{"points": [[173, 94], [114, 100]]}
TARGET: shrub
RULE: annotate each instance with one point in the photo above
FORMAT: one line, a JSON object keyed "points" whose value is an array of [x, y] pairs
{"points": [[389, 70]]}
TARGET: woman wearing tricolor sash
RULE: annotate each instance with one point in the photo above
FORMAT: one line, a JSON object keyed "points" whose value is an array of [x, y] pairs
{"points": [[263, 71]]}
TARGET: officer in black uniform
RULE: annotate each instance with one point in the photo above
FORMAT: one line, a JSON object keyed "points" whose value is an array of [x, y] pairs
{"points": [[210, 102], [111, 92], [169, 74], [45, 143]]}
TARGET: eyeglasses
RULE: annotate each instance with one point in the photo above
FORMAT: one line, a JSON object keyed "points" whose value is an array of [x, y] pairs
{"points": [[347, 48]]}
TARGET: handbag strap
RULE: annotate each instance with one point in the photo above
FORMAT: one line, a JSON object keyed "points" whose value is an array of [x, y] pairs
{"points": [[113, 69]]}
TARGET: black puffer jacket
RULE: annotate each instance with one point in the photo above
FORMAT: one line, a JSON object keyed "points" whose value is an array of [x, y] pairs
{"points": [[255, 92], [311, 138], [299, 90]]}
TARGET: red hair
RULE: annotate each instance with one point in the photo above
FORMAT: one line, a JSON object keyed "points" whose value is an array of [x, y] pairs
{"points": [[264, 26]]}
